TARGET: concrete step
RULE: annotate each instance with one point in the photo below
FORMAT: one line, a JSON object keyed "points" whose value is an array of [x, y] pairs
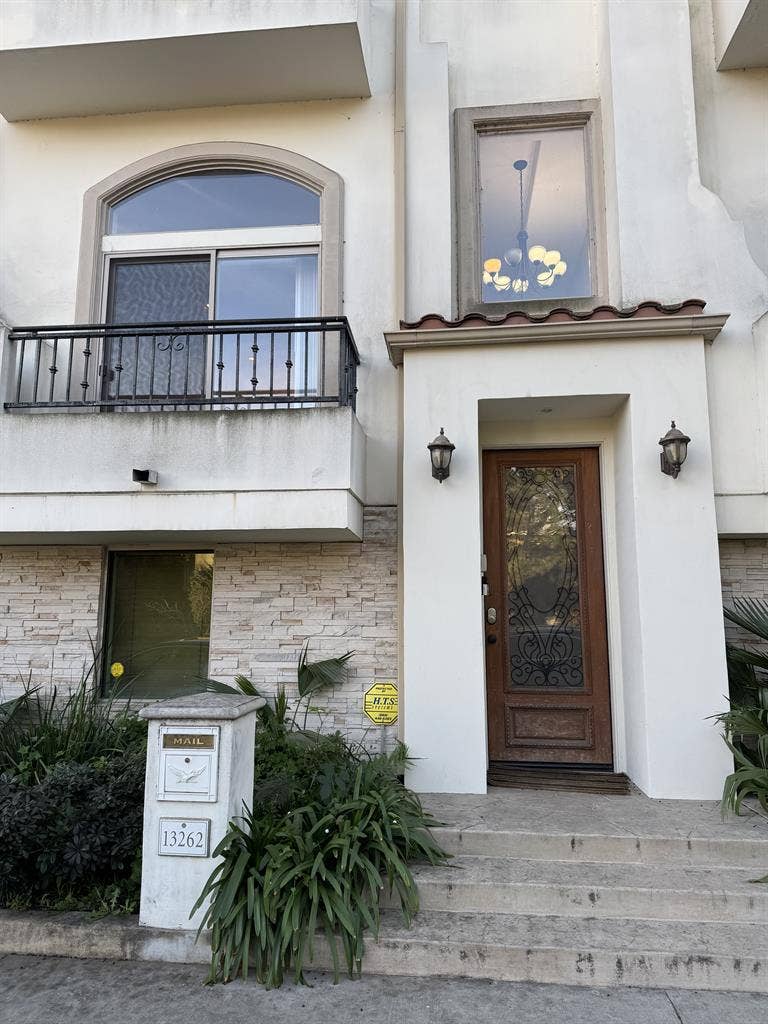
{"points": [[517, 886], [571, 951], [619, 849]]}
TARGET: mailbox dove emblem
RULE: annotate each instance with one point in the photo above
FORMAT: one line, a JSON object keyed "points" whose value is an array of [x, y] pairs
{"points": [[184, 775]]}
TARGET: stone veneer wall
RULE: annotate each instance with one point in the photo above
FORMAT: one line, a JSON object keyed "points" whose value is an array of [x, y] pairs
{"points": [[49, 605], [269, 598], [744, 572]]}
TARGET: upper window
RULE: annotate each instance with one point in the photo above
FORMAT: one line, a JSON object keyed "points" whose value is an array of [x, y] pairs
{"points": [[527, 202], [214, 199]]}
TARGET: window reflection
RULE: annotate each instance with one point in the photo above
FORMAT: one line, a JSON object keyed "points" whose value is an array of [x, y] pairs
{"points": [[534, 221], [215, 199]]}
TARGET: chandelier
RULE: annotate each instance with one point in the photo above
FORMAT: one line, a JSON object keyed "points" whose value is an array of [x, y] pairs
{"points": [[530, 269]]}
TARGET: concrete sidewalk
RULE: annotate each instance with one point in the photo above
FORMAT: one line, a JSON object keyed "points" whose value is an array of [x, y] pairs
{"points": [[39, 990]]}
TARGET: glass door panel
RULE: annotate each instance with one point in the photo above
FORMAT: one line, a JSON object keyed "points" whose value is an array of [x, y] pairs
{"points": [[265, 288], [542, 567], [159, 290]]}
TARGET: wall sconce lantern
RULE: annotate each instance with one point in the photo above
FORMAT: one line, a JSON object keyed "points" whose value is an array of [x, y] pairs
{"points": [[674, 451], [440, 452]]}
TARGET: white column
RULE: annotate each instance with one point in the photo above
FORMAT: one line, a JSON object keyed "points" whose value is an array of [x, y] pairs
{"points": [[199, 774]]}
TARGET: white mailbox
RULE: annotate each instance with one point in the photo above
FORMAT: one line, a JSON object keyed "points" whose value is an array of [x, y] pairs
{"points": [[189, 763], [200, 752]]}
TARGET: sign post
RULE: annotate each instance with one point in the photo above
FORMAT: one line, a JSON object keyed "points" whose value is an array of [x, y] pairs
{"points": [[199, 774]]}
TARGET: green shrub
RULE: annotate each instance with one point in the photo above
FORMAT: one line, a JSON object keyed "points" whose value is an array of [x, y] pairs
{"points": [[330, 830], [71, 801], [39, 730], [73, 838], [745, 725], [320, 866]]}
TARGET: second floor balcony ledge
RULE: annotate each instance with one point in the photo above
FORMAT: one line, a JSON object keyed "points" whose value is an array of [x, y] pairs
{"points": [[247, 431]]}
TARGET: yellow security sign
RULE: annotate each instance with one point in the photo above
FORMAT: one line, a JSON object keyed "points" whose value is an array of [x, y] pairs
{"points": [[380, 703]]}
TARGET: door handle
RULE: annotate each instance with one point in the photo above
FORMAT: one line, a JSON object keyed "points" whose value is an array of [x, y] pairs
{"points": [[490, 638]]}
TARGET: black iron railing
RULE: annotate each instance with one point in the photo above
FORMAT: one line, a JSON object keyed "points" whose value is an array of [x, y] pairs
{"points": [[235, 364]]}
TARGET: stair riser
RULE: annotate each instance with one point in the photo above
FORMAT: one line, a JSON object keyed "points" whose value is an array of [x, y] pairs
{"points": [[560, 966], [575, 901], [608, 849]]}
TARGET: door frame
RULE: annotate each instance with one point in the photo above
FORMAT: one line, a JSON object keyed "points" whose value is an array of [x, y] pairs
{"points": [[596, 433]]}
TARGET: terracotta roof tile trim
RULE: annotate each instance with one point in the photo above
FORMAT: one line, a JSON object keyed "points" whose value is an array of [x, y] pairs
{"points": [[432, 321]]}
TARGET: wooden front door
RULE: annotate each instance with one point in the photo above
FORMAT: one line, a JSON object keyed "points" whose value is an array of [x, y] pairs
{"points": [[545, 625]]}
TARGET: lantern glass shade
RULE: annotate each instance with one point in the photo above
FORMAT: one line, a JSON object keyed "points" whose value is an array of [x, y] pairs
{"points": [[674, 446], [440, 452]]}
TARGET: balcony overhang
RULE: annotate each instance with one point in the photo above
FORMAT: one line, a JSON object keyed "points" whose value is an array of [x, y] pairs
{"points": [[255, 65], [267, 475], [741, 34]]}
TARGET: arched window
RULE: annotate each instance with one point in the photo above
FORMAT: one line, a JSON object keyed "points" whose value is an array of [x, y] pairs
{"points": [[219, 233]]}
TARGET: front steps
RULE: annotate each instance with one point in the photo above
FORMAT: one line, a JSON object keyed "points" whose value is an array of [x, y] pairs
{"points": [[654, 911]]}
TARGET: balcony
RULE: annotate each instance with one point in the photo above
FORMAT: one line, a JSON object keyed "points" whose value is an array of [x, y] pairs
{"points": [[249, 426], [58, 59], [237, 364]]}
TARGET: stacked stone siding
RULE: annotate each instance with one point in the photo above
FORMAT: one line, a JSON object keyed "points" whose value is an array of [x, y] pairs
{"points": [[744, 573], [269, 598], [49, 607]]}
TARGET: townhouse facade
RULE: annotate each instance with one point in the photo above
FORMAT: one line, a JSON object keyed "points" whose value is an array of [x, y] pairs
{"points": [[360, 323]]}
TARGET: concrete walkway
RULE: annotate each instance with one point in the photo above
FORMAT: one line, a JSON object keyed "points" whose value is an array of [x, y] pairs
{"points": [[38, 990]]}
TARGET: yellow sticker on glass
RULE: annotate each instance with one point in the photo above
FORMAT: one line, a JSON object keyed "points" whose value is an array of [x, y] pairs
{"points": [[116, 669]]}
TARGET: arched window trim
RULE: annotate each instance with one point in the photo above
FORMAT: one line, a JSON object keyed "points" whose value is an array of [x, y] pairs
{"points": [[203, 157]]}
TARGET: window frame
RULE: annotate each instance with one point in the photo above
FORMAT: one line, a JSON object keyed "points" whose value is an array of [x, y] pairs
{"points": [[470, 122], [103, 676], [91, 286]]}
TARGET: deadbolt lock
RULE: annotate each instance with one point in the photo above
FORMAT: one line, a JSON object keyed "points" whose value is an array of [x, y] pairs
{"points": [[491, 616]]}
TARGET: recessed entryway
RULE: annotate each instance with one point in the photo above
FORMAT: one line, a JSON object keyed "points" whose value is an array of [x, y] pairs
{"points": [[548, 691]]}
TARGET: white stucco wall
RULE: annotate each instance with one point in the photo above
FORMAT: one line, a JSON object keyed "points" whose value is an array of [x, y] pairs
{"points": [[666, 561], [48, 165]]}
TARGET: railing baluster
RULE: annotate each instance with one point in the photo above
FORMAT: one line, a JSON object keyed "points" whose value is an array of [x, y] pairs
{"points": [[135, 367], [220, 364], [20, 377], [237, 366], [288, 365], [306, 363], [171, 339], [37, 369], [255, 350], [119, 366], [153, 340], [322, 365], [52, 369], [84, 383], [272, 366], [186, 368], [70, 359]]}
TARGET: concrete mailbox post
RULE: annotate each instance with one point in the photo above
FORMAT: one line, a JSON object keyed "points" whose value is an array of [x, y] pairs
{"points": [[199, 774]]}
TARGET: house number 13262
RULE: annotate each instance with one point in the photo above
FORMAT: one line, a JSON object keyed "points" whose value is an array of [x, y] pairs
{"points": [[184, 837]]}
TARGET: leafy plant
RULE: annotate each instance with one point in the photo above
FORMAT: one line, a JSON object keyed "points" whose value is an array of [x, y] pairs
{"points": [[331, 828], [74, 834], [39, 730], [745, 724], [71, 800], [321, 866]]}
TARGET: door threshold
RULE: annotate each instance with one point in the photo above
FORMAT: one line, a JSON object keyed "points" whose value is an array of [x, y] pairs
{"points": [[566, 778]]}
